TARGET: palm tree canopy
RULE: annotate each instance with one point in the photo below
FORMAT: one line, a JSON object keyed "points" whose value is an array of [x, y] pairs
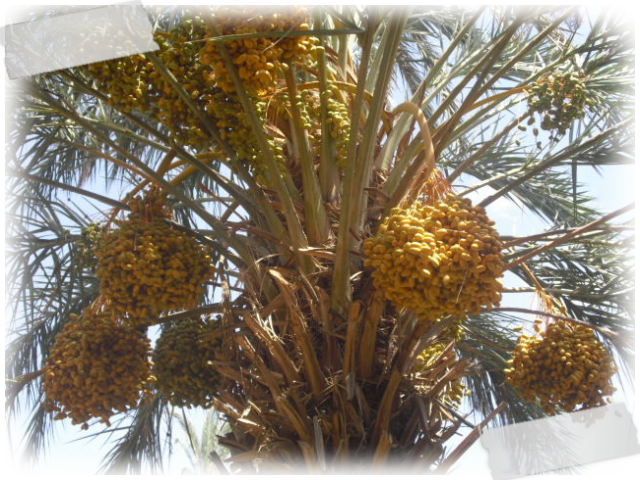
{"points": [[275, 178]]}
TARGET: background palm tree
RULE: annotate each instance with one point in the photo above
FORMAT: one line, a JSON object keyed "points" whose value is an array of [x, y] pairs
{"points": [[203, 449], [379, 110]]}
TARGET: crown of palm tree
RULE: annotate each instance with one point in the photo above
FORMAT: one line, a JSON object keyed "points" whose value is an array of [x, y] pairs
{"points": [[283, 141]]}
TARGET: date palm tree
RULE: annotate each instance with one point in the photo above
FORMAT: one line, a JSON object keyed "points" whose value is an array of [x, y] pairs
{"points": [[284, 145]]}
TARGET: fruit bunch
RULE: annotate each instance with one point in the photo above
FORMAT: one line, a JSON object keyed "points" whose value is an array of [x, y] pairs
{"points": [[150, 206], [437, 259], [436, 357], [179, 49], [257, 58], [86, 246], [560, 98], [226, 113], [134, 82], [147, 267], [339, 127], [183, 362], [565, 366], [97, 367], [125, 80], [427, 357], [338, 121]]}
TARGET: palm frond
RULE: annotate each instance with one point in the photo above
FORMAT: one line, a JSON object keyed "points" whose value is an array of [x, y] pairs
{"points": [[142, 443]]}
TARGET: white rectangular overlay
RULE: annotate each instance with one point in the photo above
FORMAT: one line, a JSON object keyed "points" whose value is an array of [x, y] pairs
{"points": [[62, 41], [561, 441]]}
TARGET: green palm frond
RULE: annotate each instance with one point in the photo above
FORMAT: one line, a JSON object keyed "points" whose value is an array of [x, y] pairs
{"points": [[142, 443]]}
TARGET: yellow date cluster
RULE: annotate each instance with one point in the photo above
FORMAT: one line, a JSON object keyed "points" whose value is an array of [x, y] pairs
{"points": [[338, 121], [134, 82], [438, 259], [86, 246], [179, 49], [125, 80], [340, 128], [449, 334], [257, 59], [432, 358], [183, 363], [147, 267], [227, 114], [96, 368], [565, 366], [150, 206]]}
